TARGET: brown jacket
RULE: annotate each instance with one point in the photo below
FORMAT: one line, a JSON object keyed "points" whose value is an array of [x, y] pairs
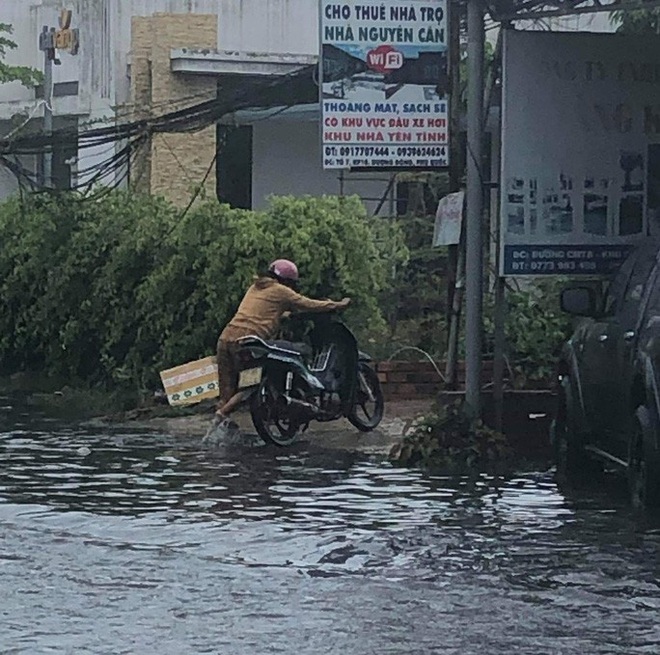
{"points": [[262, 307]]}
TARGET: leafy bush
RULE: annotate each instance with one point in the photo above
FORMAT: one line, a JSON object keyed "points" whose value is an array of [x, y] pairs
{"points": [[535, 329], [447, 438], [415, 302], [110, 291]]}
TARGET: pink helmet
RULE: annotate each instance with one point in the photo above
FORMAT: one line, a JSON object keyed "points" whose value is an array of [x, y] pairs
{"points": [[284, 269]]}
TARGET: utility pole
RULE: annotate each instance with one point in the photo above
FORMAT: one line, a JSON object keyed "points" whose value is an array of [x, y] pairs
{"points": [[47, 46], [456, 254], [51, 40], [474, 227]]}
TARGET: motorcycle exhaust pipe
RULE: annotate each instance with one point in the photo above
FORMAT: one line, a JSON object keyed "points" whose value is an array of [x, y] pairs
{"points": [[305, 408]]}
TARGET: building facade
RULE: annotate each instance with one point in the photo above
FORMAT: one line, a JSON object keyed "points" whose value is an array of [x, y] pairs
{"points": [[140, 58]]}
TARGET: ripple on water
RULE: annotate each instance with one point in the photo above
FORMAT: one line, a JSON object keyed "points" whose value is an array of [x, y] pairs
{"points": [[133, 541]]}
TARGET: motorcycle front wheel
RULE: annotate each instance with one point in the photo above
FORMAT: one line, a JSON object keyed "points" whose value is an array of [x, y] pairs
{"points": [[270, 420], [367, 412]]}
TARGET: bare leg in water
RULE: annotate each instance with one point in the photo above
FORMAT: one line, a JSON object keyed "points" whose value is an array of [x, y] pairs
{"points": [[230, 406]]}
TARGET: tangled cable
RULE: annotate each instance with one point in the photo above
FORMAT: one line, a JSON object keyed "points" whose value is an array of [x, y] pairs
{"points": [[130, 136]]}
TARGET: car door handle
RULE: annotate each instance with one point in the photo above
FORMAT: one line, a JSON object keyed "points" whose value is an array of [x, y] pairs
{"points": [[602, 337], [629, 335]]}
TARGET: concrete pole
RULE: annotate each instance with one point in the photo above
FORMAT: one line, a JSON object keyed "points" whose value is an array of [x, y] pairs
{"points": [[456, 254], [474, 194], [454, 322], [48, 116], [500, 286]]}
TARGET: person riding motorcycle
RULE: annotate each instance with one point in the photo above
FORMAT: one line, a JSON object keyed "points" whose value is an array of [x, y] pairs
{"points": [[270, 297]]}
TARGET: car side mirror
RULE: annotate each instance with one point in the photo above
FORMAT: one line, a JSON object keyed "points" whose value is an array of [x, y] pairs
{"points": [[579, 301]]}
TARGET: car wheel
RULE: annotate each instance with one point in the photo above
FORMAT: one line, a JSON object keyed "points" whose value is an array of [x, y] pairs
{"points": [[570, 455], [643, 473]]}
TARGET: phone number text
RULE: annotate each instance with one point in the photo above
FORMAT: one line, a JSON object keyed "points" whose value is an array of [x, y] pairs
{"points": [[395, 156]]}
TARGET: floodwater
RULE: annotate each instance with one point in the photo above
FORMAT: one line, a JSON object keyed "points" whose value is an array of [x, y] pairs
{"points": [[114, 540]]}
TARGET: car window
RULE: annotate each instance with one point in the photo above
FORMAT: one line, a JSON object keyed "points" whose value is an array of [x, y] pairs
{"points": [[618, 286], [652, 311], [636, 288], [627, 287]]}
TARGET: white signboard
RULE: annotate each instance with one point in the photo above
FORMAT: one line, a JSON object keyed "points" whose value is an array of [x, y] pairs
{"points": [[580, 150], [449, 220], [384, 86]]}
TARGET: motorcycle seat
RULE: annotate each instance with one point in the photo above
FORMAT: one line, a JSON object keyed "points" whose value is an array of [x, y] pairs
{"points": [[299, 348], [283, 346]]}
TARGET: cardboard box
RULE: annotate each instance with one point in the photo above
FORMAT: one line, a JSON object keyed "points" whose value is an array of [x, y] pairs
{"points": [[191, 383]]}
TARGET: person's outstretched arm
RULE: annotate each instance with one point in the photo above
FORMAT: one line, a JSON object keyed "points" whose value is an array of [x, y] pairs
{"points": [[298, 303]]}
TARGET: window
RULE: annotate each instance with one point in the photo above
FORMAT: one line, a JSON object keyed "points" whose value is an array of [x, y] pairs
{"points": [[234, 165], [618, 285], [634, 275]]}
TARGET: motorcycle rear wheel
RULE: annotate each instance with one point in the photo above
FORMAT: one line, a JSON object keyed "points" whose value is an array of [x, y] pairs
{"points": [[269, 420], [367, 412]]}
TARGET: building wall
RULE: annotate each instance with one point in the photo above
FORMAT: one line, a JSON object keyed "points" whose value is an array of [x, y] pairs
{"points": [[287, 161], [119, 57], [101, 67], [105, 31], [174, 163], [26, 19], [271, 26]]}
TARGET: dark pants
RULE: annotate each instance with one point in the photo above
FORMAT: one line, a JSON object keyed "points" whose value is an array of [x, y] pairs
{"points": [[228, 369]]}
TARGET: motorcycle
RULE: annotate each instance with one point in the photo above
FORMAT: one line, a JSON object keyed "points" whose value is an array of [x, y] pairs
{"points": [[288, 384]]}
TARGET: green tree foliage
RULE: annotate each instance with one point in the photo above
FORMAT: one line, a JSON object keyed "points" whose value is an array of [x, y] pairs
{"points": [[118, 288], [447, 439], [639, 21], [416, 301], [24, 74], [489, 60], [535, 329]]}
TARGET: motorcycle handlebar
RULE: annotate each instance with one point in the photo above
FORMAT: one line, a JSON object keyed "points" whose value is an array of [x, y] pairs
{"points": [[314, 316]]}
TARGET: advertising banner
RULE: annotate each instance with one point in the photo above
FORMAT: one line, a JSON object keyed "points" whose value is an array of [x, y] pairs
{"points": [[580, 181], [385, 84]]}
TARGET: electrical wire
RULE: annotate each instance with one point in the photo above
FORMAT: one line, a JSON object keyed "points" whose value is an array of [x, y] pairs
{"points": [[27, 120], [184, 120], [184, 170], [199, 187], [256, 94]]}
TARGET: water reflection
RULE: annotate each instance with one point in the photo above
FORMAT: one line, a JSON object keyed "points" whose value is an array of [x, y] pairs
{"points": [[116, 540]]}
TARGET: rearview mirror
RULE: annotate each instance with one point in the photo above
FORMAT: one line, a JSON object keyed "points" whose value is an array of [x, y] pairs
{"points": [[579, 301]]}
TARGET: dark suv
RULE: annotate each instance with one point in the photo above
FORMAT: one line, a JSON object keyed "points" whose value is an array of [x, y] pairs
{"points": [[609, 377]]}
